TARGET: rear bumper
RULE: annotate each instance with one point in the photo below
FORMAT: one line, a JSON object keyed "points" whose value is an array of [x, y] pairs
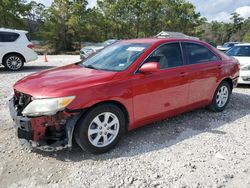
{"points": [[45, 133], [31, 56]]}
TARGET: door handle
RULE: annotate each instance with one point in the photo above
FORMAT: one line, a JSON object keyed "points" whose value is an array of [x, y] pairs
{"points": [[183, 74]]}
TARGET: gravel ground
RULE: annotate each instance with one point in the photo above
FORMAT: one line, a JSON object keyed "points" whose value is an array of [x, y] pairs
{"points": [[196, 149]]}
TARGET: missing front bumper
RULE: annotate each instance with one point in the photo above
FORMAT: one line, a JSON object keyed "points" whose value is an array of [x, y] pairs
{"points": [[45, 133]]}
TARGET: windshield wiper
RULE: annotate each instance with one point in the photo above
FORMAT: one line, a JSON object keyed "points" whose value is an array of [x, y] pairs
{"points": [[90, 66]]}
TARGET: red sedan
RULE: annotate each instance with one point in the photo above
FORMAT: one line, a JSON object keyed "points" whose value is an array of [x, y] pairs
{"points": [[125, 86]]}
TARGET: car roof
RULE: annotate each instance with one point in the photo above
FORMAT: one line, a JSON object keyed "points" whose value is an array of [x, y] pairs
{"points": [[159, 40], [232, 42], [13, 30], [243, 44]]}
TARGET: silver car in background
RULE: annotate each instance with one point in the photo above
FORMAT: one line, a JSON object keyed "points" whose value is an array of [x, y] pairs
{"points": [[86, 51]]}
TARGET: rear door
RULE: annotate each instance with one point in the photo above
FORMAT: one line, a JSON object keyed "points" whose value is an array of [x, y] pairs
{"points": [[164, 92], [7, 42], [1, 46], [204, 68]]}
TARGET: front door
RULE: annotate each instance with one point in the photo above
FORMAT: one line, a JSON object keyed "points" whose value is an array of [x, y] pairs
{"points": [[164, 92]]}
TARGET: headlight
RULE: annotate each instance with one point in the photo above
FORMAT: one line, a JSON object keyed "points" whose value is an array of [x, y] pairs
{"points": [[50, 106]]}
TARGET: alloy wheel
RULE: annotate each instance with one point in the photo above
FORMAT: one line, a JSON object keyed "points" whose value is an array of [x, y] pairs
{"points": [[222, 96], [103, 129], [14, 62]]}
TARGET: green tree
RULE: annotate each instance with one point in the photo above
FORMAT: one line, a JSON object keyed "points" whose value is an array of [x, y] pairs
{"points": [[237, 21], [245, 30], [64, 21], [136, 18], [96, 27], [246, 38], [236, 27], [78, 19], [69, 21], [220, 32], [12, 13], [34, 20]]}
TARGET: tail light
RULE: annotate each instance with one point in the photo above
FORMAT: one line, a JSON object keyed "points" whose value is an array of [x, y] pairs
{"points": [[30, 46]]}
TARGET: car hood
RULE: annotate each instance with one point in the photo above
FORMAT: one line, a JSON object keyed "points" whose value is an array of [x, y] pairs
{"points": [[62, 81]]}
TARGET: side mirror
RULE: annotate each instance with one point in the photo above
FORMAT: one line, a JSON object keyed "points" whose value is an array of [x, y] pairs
{"points": [[150, 67]]}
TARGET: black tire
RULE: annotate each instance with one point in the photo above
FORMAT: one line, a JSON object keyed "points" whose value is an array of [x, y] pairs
{"points": [[85, 122], [214, 105], [14, 57]]}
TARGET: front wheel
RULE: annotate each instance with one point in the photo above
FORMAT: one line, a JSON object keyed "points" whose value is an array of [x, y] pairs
{"points": [[100, 129], [221, 97]]}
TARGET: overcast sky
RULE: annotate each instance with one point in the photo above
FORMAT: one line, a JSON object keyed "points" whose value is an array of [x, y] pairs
{"points": [[219, 10]]}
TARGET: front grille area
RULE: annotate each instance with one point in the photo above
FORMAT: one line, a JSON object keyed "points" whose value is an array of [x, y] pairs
{"points": [[21, 100]]}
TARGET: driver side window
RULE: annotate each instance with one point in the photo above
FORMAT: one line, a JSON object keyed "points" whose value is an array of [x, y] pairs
{"points": [[168, 56]]}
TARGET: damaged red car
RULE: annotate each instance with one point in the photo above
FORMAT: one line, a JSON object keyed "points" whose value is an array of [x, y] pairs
{"points": [[126, 85]]}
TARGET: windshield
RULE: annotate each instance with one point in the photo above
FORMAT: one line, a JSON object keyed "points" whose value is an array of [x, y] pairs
{"points": [[116, 57], [239, 51]]}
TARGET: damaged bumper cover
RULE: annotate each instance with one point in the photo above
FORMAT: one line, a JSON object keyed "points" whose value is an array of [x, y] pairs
{"points": [[47, 133]]}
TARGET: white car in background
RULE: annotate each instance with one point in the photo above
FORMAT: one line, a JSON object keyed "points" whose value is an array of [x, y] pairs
{"points": [[15, 49], [225, 47], [242, 53]]}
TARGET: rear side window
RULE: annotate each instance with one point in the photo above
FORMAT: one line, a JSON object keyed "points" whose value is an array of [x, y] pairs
{"points": [[8, 36], [28, 36], [168, 56], [196, 53]]}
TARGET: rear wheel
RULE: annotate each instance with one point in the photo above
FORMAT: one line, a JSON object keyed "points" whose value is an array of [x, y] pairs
{"points": [[221, 97], [100, 129], [13, 62]]}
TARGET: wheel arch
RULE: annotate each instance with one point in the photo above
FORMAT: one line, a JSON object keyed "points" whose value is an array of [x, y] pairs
{"points": [[226, 79], [114, 102], [15, 53], [229, 81], [212, 106]]}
